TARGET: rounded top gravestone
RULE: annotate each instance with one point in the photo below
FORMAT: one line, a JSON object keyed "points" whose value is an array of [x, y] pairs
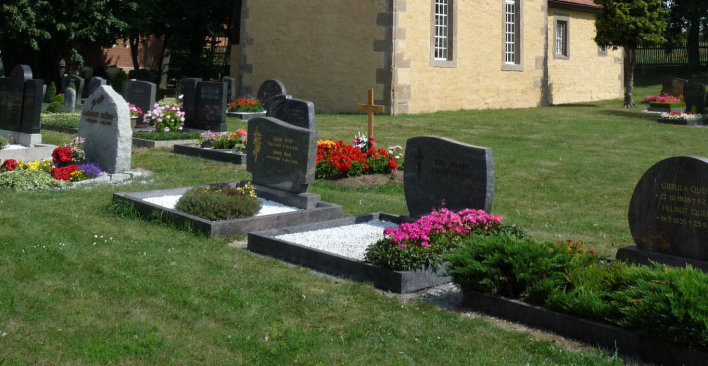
{"points": [[269, 89], [669, 208]]}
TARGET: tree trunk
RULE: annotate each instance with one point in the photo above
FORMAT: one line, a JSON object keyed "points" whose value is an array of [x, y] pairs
{"points": [[630, 60], [692, 44], [161, 58], [134, 42]]}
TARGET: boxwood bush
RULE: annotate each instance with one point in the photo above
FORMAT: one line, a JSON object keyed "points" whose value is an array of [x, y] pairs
{"points": [[661, 302], [220, 203]]}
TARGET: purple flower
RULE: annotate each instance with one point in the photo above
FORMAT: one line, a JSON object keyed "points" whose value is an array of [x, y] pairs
{"points": [[90, 170]]}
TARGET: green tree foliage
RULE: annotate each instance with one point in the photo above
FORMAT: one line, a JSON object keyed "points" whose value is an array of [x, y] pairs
{"points": [[684, 24], [41, 33], [630, 24]]}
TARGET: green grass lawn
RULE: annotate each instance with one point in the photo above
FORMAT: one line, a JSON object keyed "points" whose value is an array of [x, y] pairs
{"points": [[82, 283]]}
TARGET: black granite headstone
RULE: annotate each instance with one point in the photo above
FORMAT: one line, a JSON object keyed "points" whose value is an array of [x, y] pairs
{"points": [[668, 212], [6, 99], [230, 88], [297, 112], [667, 84], [78, 82], [694, 94], [142, 74], [269, 89], [280, 155], [20, 101], [140, 93], [31, 106], [677, 86], [188, 88], [210, 106], [94, 83], [441, 170]]}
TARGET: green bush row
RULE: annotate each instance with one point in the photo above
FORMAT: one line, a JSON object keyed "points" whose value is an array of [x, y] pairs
{"points": [[661, 302], [667, 105]]}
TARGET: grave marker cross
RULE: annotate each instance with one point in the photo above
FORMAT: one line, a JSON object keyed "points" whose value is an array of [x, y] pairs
{"points": [[370, 109]]}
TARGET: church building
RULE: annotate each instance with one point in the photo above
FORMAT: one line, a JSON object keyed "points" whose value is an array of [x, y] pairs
{"points": [[426, 55]]}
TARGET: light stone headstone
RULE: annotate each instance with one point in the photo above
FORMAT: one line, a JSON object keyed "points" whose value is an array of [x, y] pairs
{"points": [[443, 172], [105, 126], [70, 99]]}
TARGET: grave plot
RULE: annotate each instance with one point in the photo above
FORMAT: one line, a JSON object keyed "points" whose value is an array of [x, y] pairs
{"points": [[668, 214], [20, 106], [467, 173], [281, 160], [224, 147]]}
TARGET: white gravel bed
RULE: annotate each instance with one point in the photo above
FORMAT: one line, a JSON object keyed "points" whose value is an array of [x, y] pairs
{"points": [[268, 207], [14, 147], [348, 241]]}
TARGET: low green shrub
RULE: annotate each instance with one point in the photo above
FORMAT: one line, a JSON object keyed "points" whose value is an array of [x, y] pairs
{"points": [[4, 141], [667, 105], [26, 180], [664, 303], [51, 92], [117, 83], [164, 136], [512, 267], [667, 303], [214, 203], [68, 120]]}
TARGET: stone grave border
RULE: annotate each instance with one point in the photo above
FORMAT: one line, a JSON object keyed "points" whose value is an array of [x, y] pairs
{"points": [[632, 254], [264, 242], [608, 336], [226, 228], [682, 122], [245, 116], [222, 155], [150, 144]]}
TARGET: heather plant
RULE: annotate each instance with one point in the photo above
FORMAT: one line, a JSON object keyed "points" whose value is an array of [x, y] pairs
{"points": [[424, 243], [215, 203]]}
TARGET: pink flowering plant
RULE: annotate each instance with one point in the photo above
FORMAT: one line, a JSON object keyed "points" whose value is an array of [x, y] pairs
{"points": [[165, 118], [424, 243], [663, 98]]}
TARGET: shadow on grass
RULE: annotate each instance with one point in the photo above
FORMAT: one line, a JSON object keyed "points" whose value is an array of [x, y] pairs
{"points": [[574, 105], [629, 113]]}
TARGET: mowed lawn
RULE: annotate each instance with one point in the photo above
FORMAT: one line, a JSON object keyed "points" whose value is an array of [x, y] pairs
{"points": [[82, 282]]}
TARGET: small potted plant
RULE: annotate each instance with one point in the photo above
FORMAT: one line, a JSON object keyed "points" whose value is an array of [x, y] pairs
{"points": [[136, 113], [245, 108]]}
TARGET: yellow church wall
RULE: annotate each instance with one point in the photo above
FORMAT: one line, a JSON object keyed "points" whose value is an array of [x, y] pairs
{"points": [[477, 81], [585, 75], [322, 50]]}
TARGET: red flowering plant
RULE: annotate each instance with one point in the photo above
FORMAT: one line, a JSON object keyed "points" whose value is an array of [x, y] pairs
{"points": [[245, 105], [64, 172], [8, 165], [62, 156], [337, 160]]}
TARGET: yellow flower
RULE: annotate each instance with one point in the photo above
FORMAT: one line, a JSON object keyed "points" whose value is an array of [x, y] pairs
{"points": [[77, 175]]}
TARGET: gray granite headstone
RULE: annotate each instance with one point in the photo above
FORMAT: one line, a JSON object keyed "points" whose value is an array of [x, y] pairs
{"points": [[140, 93], [280, 155], [297, 112], [694, 94], [668, 212], [20, 101], [105, 126], [269, 89], [94, 83], [439, 169], [188, 88], [70, 99], [230, 88]]}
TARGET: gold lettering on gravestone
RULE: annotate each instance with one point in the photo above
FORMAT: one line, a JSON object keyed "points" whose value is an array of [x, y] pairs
{"points": [[281, 150], [681, 204], [256, 144]]}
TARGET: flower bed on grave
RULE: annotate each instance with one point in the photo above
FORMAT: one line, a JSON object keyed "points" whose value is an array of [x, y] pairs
{"points": [[402, 256], [245, 109], [665, 103], [338, 160], [679, 118], [66, 166], [226, 147], [663, 308], [166, 128]]}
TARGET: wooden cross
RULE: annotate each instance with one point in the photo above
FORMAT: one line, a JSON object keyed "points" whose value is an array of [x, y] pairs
{"points": [[370, 109]]}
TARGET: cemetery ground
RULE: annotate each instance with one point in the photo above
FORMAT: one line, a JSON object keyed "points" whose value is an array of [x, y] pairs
{"points": [[87, 282]]}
